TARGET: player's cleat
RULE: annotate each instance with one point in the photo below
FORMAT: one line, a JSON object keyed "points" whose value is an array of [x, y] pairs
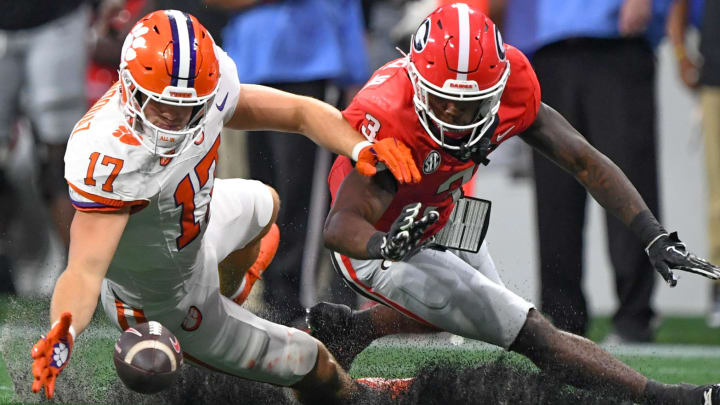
{"points": [[268, 247], [332, 324], [394, 386], [711, 394]]}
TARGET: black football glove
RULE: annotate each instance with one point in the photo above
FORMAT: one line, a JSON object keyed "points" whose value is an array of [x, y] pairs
{"points": [[404, 234], [668, 253]]}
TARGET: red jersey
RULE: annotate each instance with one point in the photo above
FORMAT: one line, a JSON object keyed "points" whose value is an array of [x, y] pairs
{"points": [[384, 108]]}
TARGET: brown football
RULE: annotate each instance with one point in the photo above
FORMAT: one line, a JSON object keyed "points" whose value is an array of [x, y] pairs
{"points": [[147, 357]]}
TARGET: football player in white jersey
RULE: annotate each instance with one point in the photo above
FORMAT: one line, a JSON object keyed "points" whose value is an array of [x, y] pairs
{"points": [[157, 237]]}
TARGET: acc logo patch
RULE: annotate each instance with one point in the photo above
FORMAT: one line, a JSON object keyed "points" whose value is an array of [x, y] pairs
{"points": [[420, 39], [192, 320], [500, 45], [432, 162]]}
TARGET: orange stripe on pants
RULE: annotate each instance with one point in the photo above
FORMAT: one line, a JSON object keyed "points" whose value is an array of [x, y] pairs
{"points": [[122, 320], [122, 309]]}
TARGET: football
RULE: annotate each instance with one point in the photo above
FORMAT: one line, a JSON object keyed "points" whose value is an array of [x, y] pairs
{"points": [[147, 357]]}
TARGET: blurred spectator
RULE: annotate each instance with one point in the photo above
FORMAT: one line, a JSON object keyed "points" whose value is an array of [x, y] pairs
{"points": [[43, 57], [703, 74], [596, 66], [112, 20], [299, 46], [212, 18]]}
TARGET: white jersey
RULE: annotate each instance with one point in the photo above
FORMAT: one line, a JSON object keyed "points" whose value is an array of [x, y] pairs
{"points": [[107, 169]]}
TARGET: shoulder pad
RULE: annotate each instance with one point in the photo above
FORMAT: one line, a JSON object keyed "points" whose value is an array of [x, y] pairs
{"points": [[521, 98], [375, 108], [105, 164]]}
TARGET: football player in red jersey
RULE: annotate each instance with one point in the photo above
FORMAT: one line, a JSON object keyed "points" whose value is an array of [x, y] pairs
{"points": [[417, 248]]}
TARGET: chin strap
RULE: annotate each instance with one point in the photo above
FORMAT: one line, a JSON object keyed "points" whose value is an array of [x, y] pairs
{"points": [[481, 150], [478, 152]]}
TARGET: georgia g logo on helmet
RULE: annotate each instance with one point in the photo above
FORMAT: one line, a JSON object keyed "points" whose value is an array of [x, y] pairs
{"points": [[420, 39], [500, 44]]}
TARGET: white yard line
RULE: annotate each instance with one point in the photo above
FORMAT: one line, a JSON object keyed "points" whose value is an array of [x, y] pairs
{"points": [[448, 341]]}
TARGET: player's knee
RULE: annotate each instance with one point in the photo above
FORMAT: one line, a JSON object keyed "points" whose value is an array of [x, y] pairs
{"points": [[276, 205]]}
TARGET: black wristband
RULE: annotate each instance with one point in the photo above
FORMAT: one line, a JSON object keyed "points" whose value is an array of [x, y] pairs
{"points": [[646, 227], [374, 245]]}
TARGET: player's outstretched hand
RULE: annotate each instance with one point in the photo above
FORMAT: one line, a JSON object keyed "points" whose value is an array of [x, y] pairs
{"points": [[51, 354], [405, 233], [667, 253], [393, 153]]}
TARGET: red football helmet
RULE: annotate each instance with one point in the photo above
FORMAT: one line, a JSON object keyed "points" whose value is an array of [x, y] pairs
{"points": [[168, 57], [457, 63]]}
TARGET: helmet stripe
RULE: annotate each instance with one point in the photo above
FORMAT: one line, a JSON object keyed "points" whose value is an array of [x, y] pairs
{"points": [[193, 51], [176, 51], [464, 40], [181, 44]]}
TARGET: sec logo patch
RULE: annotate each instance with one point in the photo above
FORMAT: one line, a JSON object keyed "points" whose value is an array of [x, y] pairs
{"points": [[432, 162]]}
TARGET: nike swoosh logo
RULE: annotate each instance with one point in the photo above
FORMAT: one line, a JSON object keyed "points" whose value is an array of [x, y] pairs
{"points": [[501, 136], [221, 106]]}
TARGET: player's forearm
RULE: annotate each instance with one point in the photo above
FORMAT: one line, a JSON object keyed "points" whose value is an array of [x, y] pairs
{"points": [[78, 294], [265, 108], [326, 126], [611, 188], [348, 234], [553, 136]]}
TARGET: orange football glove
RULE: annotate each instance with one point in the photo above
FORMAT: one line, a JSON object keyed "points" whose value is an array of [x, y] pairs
{"points": [[393, 153], [51, 354]]}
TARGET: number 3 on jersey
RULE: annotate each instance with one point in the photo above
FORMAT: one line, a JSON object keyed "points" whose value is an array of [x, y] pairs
{"points": [[370, 127], [185, 197]]}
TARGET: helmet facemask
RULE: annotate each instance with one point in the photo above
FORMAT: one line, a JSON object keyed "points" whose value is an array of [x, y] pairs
{"points": [[456, 137], [159, 141]]}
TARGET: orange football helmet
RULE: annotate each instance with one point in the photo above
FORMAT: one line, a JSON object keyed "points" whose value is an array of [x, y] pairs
{"points": [[457, 55], [168, 57]]}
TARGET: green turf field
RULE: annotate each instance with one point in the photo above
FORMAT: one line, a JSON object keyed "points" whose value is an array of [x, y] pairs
{"points": [[687, 352]]}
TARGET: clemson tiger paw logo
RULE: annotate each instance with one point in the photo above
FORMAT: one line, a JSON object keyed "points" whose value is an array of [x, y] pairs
{"points": [[125, 136], [61, 352], [134, 41]]}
